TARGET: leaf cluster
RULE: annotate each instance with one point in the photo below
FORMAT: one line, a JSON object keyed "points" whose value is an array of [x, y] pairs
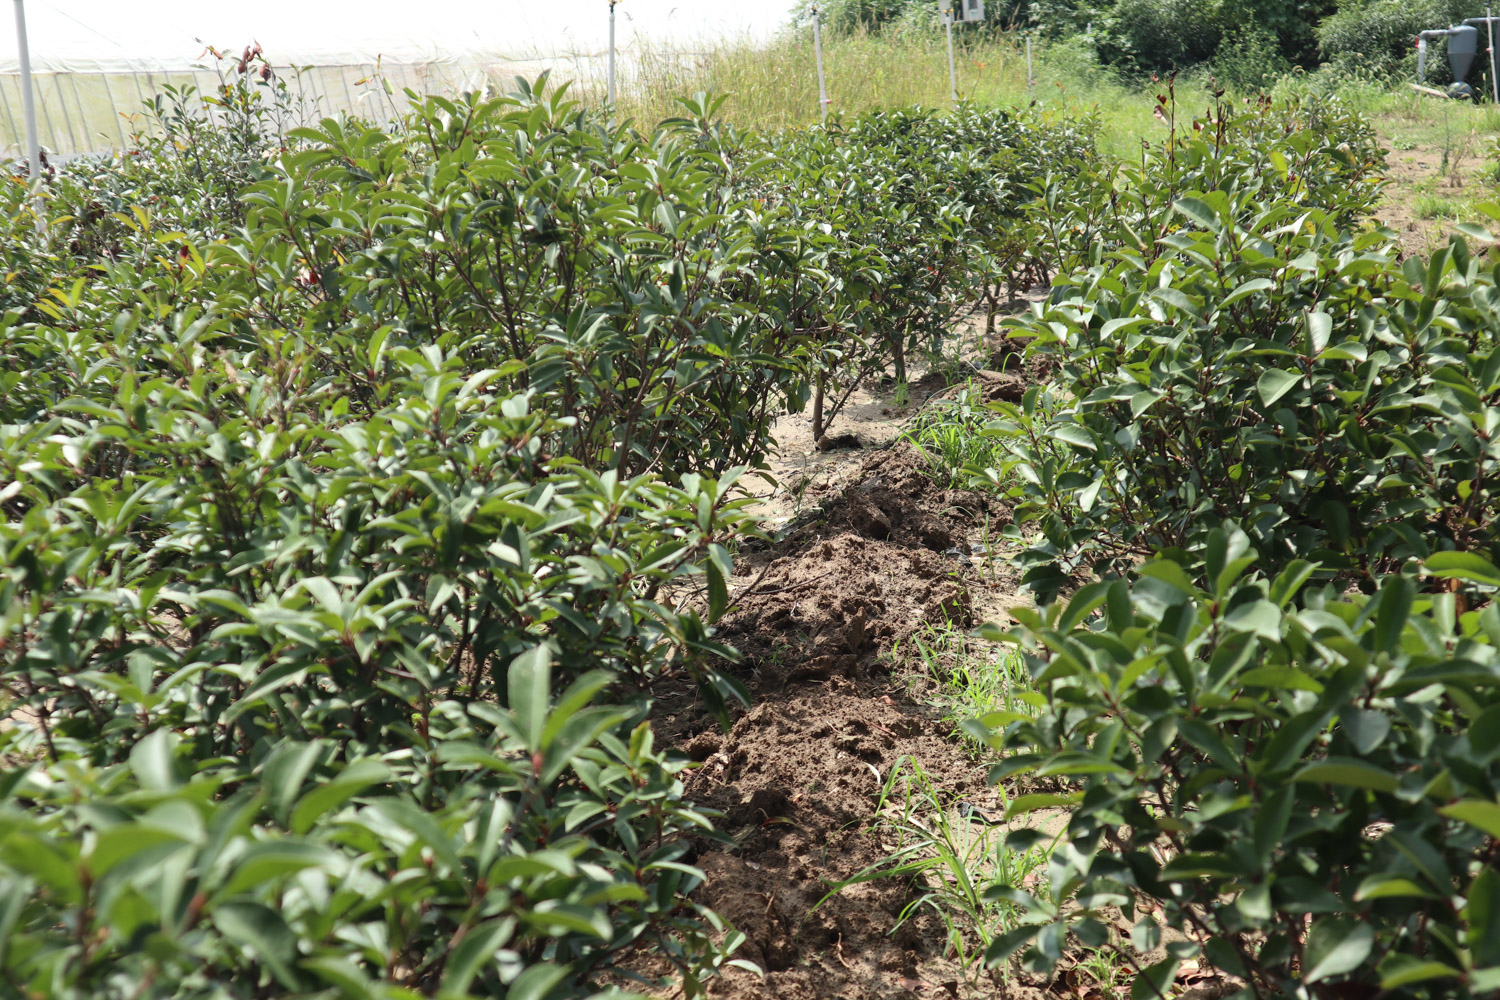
{"points": [[1302, 781]]}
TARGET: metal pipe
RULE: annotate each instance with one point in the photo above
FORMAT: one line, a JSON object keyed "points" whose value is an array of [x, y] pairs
{"points": [[41, 102], [818, 51], [952, 72], [63, 106], [114, 111], [348, 96], [612, 56], [28, 99], [10, 119], [83, 124], [1030, 79], [1422, 37], [1489, 23]]}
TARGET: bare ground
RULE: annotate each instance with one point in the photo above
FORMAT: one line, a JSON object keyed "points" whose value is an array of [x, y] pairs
{"points": [[867, 552]]}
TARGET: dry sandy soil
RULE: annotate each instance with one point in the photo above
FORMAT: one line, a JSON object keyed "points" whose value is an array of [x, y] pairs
{"points": [[1408, 172]]}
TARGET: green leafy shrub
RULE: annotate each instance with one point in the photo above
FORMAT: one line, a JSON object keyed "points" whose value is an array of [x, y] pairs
{"points": [[613, 276], [343, 549], [928, 210], [1238, 353], [191, 154], [1145, 35], [1250, 59], [342, 619], [521, 850], [1303, 782], [1379, 34], [271, 638]]}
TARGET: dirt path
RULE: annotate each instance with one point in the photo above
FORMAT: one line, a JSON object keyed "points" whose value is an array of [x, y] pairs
{"points": [[869, 550], [1425, 195], [1436, 177]]}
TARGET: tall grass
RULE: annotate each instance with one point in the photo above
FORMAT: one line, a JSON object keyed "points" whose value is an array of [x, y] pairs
{"points": [[775, 85]]}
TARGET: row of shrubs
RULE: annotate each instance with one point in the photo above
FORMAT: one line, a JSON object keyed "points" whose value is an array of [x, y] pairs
{"points": [[362, 484], [1264, 474]]}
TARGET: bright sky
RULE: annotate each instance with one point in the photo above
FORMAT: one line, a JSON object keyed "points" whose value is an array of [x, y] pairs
{"points": [[84, 34]]}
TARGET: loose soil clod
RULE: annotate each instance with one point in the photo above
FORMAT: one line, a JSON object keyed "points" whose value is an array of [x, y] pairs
{"points": [[797, 777]]}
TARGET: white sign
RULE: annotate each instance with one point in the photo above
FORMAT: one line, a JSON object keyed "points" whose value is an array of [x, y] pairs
{"points": [[962, 10]]}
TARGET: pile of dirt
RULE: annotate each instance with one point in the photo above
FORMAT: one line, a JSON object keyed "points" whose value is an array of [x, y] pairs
{"points": [[797, 778], [1006, 354], [892, 499]]}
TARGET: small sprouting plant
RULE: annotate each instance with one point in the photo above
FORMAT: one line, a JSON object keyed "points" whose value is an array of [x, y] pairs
{"points": [[955, 857], [901, 398], [947, 434]]}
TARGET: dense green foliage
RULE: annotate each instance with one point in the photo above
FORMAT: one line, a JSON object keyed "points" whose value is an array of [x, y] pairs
{"points": [[361, 487], [1257, 412], [1137, 37], [1378, 35], [1236, 350], [1305, 782], [1159, 35], [904, 218]]}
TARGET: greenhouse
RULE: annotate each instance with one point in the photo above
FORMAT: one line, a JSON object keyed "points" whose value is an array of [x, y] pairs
{"points": [[96, 61]]}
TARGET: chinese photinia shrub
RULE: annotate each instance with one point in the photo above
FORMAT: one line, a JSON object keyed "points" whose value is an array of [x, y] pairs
{"points": [[902, 218], [1257, 361], [1303, 783], [300, 697]]}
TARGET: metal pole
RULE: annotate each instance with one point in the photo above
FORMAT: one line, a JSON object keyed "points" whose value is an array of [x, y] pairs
{"points": [[10, 118], [952, 72], [612, 55], [83, 124], [1489, 23], [1030, 80], [28, 99], [818, 51]]}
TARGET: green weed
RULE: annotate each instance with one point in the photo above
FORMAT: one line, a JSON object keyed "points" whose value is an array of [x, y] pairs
{"points": [[901, 398], [954, 861], [1436, 206], [977, 677], [774, 85], [947, 433]]}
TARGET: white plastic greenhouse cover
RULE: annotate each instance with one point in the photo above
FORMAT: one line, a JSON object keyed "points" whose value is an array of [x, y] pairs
{"points": [[96, 60]]}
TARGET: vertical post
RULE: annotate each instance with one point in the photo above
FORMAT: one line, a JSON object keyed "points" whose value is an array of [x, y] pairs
{"points": [[818, 51], [28, 110], [952, 72], [1489, 24], [612, 58], [1030, 79]]}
